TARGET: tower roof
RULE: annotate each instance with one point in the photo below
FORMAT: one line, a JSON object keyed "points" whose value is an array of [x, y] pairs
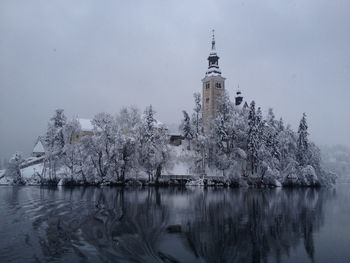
{"points": [[213, 59]]}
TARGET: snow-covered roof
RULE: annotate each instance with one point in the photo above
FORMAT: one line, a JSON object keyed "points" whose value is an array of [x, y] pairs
{"points": [[85, 124], [159, 124], [39, 148], [213, 71], [173, 129]]}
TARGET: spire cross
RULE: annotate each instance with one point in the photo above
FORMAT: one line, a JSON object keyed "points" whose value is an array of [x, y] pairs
{"points": [[213, 40]]}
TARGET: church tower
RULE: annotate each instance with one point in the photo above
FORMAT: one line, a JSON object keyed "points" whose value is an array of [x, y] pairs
{"points": [[213, 86]]}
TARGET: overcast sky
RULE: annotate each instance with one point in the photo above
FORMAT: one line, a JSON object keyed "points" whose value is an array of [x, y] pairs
{"points": [[90, 56]]}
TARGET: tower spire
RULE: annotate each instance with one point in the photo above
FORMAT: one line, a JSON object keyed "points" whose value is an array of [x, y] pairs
{"points": [[213, 59], [213, 40]]}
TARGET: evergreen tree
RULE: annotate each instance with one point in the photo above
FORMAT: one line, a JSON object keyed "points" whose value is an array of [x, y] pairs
{"points": [[270, 119], [253, 138], [260, 123], [54, 141], [287, 142], [280, 125], [186, 129], [58, 121], [270, 134], [197, 118], [199, 141], [302, 143], [153, 149]]}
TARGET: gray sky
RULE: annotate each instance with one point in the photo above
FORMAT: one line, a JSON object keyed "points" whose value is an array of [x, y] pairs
{"points": [[89, 56]]}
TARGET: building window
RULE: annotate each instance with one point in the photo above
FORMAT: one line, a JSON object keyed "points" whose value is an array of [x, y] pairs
{"points": [[218, 85], [207, 100], [207, 85]]}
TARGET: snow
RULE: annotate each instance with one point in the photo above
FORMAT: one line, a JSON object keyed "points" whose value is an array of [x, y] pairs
{"points": [[31, 160], [198, 182], [157, 123], [212, 73], [173, 129], [29, 171], [4, 180], [240, 149], [179, 168], [85, 124], [181, 164]]}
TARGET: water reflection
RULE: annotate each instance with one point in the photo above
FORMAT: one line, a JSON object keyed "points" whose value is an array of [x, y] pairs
{"points": [[248, 226], [159, 225]]}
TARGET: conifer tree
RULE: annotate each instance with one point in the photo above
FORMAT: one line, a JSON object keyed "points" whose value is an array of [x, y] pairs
{"points": [[271, 121], [54, 141], [270, 134], [253, 138], [302, 142], [153, 149], [280, 125], [186, 129], [199, 141], [197, 118]]}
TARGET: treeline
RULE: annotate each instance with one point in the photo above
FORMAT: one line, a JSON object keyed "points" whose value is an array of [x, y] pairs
{"points": [[243, 144], [240, 144], [129, 144]]}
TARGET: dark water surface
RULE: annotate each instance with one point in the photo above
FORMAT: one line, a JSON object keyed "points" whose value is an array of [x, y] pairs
{"points": [[174, 225]]}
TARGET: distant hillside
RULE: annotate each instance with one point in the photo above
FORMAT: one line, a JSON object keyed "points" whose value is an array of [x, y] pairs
{"points": [[337, 159]]}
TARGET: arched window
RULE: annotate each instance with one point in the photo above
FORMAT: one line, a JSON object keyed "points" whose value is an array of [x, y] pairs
{"points": [[218, 85]]}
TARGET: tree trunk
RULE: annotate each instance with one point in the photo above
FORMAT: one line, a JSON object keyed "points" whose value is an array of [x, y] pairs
{"points": [[158, 173]]}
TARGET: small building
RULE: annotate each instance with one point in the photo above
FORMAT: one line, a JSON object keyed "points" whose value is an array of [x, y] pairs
{"points": [[175, 139], [39, 147]]}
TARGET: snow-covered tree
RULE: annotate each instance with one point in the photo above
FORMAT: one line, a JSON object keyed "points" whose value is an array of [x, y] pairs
{"points": [[199, 141], [253, 138], [13, 169], [55, 138], [128, 124], [197, 120], [280, 125], [71, 153], [223, 134], [302, 143], [101, 147], [270, 119], [147, 150], [186, 129], [270, 133], [153, 150], [54, 141]]}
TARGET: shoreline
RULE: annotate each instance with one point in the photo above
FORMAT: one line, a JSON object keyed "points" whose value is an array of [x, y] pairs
{"points": [[172, 184]]}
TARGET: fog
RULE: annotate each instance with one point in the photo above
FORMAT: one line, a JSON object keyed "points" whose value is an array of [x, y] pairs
{"points": [[90, 56]]}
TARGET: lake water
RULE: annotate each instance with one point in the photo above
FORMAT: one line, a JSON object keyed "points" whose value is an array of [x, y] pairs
{"points": [[174, 225]]}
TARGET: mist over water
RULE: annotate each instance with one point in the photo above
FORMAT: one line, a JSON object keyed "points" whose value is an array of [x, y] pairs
{"points": [[173, 225]]}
